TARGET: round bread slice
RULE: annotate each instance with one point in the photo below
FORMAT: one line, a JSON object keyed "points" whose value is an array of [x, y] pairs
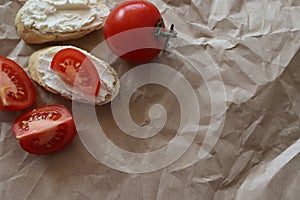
{"points": [[41, 21], [39, 68]]}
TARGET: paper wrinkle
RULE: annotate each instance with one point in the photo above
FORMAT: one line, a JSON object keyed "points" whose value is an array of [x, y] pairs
{"points": [[257, 183], [248, 131], [254, 44], [207, 179], [4, 131], [33, 173], [238, 166]]}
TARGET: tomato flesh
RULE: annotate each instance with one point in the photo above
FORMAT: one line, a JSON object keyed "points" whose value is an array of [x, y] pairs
{"points": [[76, 69], [129, 31], [17, 92], [45, 129]]}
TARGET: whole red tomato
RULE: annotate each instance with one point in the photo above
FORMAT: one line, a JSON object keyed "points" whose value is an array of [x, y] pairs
{"points": [[130, 29]]}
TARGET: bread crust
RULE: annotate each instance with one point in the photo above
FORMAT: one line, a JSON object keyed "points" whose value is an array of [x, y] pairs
{"points": [[33, 66], [34, 36]]}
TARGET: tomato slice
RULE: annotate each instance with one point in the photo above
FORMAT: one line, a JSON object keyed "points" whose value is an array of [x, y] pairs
{"points": [[76, 69], [45, 129], [17, 92]]}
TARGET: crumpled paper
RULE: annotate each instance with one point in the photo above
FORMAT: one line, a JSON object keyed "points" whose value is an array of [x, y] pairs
{"points": [[254, 45]]}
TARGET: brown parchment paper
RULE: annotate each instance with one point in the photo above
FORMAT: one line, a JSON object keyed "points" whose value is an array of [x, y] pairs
{"points": [[254, 45]]}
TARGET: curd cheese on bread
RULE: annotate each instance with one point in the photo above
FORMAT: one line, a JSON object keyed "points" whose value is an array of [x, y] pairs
{"points": [[40, 21], [39, 67]]}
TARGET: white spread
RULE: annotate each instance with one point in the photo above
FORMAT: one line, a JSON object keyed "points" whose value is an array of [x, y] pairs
{"points": [[52, 80], [61, 16]]}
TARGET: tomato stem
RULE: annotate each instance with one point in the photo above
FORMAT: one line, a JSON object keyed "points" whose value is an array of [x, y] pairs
{"points": [[159, 32]]}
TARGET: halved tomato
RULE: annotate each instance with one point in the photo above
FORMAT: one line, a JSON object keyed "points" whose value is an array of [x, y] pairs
{"points": [[16, 89], [76, 69], [45, 129]]}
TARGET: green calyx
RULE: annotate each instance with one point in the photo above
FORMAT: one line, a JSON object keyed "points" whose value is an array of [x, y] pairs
{"points": [[160, 32]]}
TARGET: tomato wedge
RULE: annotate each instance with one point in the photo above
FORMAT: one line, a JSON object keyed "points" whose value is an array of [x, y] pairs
{"points": [[17, 92], [45, 129], [76, 69]]}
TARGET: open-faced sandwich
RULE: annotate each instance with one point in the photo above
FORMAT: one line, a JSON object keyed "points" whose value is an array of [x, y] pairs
{"points": [[40, 21], [74, 74]]}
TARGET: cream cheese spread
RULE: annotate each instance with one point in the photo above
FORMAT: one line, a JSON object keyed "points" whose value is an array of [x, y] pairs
{"points": [[61, 16], [109, 85]]}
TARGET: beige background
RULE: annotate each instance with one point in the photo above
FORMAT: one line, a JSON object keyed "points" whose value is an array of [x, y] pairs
{"points": [[254, 44]]}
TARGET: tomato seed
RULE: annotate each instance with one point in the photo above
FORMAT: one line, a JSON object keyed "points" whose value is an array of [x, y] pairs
{"points": [[62, 65], [60, 134], [77, 65], [57, 138], [36, 142], [16, 81], [6, 69], [10, 94]]}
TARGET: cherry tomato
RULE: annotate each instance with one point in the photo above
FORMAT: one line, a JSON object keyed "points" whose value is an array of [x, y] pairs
{"points": [[129, 31], [76, 69], [45, 129], [16, 89]]}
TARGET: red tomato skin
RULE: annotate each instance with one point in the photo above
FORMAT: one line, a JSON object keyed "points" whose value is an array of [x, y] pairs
{"points": [[30, 92], [66, 129], [138, 45]]}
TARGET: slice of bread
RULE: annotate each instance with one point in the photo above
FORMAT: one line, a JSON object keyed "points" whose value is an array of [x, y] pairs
{"points": [[39, 67], [41, 21]]}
